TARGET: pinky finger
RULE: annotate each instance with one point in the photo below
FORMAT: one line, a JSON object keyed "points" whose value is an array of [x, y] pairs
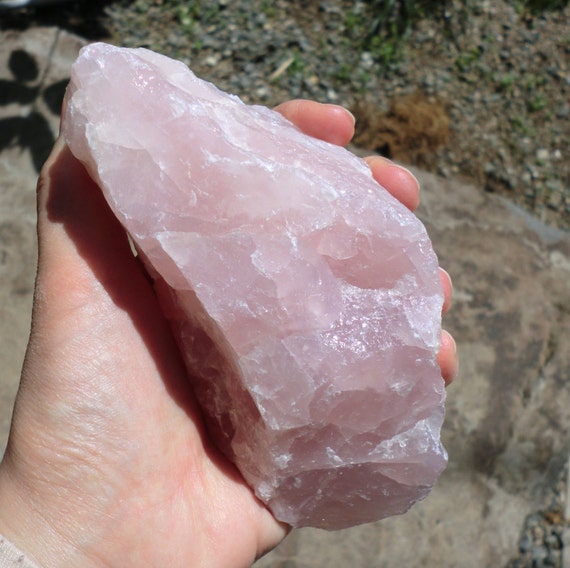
{"points": [[447, 358]]}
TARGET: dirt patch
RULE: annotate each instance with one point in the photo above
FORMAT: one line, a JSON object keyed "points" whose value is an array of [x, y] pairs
{"points": [[412, 131]]}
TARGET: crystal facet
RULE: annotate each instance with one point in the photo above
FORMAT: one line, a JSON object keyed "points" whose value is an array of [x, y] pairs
{"points": [[305, 299]]}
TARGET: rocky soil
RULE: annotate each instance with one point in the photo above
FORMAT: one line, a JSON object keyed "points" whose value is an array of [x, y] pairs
{"points": [[478, 89]]}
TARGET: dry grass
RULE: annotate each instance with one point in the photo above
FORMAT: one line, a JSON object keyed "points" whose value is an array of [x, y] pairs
{"points": [[411, 131]]}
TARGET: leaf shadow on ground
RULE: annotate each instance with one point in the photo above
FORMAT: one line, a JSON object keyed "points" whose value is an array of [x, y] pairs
{"points": [[29, 128], [82, 17]]}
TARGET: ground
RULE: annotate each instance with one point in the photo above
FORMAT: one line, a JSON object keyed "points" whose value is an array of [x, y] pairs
{"points": [[478, 93], [476, 89]]}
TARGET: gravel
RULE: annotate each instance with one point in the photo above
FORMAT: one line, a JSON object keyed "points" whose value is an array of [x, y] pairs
{"points": [[479, 90], [545, 532], [495, 82]]}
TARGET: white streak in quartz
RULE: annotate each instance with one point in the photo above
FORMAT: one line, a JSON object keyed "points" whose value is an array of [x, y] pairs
{"points": [[306, 300]]}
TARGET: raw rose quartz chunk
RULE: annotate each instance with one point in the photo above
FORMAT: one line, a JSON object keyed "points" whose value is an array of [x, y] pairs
{"points": [[306, 300]]}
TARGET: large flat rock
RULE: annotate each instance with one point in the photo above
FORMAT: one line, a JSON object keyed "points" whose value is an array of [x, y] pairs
{"points": [[508, 413]]}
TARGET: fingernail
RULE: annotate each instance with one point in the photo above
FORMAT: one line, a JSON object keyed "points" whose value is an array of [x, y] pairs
{"points": [[454, 342], [346, 111], [404, 169], [456, 369], [377, 158], [449, 279]]}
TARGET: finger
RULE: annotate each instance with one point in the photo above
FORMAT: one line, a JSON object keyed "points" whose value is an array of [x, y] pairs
{"points": [[447, 358], [331, 123], [92, 293], [447, 290], [81, 243], [399, 181]]}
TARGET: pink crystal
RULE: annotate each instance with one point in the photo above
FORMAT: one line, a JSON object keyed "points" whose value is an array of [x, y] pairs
{"points": [[306, 300]]}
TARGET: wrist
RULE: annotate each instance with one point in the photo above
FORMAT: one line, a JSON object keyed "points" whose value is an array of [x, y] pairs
{"points": [[10, 555], [31, 523]]}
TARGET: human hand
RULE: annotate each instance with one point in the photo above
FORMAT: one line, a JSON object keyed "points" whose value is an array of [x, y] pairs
{"points": [[108, 462]]}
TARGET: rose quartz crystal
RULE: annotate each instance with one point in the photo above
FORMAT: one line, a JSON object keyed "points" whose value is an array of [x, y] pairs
{"points": [[306, 300]]}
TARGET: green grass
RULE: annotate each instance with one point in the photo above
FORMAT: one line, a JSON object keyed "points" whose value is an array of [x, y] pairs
{"points": [[539, 6], [467, 58], [381, 26], [537, 103], [520, 125], [297, 66]]}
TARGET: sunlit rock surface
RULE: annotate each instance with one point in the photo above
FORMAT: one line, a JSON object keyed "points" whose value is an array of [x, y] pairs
{"points": [[306, 300]]}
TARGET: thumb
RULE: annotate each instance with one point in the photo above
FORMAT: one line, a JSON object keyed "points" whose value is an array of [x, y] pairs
{"points": [[81, 244], [91, 294]]}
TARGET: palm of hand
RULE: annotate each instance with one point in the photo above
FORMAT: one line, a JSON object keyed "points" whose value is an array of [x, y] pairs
{"points": [[117, 424], [106, 433]]}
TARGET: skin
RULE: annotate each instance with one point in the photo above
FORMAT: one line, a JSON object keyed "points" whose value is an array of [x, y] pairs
{"points": [[108, 463]]}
